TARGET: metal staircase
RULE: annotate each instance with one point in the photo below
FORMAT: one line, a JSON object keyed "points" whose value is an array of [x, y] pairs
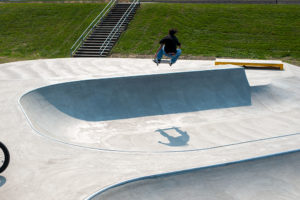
{"points": [[103, 36]]}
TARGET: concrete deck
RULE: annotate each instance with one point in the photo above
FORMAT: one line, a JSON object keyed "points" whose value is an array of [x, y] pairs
{"points": [[71, 168]]}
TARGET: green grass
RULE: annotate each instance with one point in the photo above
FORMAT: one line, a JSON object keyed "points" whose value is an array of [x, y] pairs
{"points": [[50, 1], [31, 31], [236, 31]]}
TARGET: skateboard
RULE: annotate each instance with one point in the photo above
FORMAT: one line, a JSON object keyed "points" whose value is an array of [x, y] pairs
{"points": [[162, 61]]}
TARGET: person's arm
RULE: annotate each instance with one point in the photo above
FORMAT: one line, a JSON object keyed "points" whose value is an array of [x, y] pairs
{"points": [[161, 46], [179, 44]]}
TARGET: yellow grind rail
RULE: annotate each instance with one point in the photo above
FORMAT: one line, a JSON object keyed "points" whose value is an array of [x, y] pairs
{"points": [[249, 63]]}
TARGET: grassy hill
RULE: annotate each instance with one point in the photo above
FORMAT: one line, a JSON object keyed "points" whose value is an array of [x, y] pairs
{"points": [[239, 31], [31, 31]]}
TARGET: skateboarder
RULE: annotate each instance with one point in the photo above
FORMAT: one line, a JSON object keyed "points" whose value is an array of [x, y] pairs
{"points": [[168, 47]]}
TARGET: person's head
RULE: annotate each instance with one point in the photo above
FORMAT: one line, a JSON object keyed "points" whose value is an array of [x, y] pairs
{"points": [[172, 31]]}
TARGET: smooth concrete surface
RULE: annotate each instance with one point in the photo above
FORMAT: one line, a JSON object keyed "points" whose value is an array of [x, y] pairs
{"points": [[68, 111], [276, 177], [46, 168]]}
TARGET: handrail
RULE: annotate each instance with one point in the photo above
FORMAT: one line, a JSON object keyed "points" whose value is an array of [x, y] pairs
{"points": [[92, 25], [117, 26]]}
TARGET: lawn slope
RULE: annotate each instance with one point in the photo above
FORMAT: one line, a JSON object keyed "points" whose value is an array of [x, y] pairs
{"points": [[239, 31], [31, 31]]}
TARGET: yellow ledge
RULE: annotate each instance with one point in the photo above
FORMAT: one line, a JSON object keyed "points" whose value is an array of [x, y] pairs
{"points": [[271, 65]]}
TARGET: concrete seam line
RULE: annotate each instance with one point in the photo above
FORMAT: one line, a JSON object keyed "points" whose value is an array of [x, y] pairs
{"points": [[185, 171]]}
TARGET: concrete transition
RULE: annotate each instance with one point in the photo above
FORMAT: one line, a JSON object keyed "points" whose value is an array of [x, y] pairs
{"points": [[137, 96], [274, 177], [63, 109]]}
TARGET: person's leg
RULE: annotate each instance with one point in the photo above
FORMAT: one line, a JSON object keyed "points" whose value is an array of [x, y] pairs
{"points": [[176, 56], [160, 54]]}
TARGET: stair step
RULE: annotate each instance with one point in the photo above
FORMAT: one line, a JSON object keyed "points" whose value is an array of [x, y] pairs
{"points": [[102, 30], [103, 36], [121, 8], [94, 46], [88, 56], [116, 15], [97, 44], [118, 20], [100, 34], [119, 14], [91, 54], [94, 50], [107, 26], [94, 42], [121, 11], [91, 46], [111, 25], [114, 22], [99, 40], [97, 53]]}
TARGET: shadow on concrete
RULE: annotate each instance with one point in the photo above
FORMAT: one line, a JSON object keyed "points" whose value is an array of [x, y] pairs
{"points": [[181, 140], [2, 181]]}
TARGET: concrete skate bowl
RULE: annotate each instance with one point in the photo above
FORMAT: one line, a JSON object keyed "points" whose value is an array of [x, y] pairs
{"points": [[274, 177], [115, 113]]}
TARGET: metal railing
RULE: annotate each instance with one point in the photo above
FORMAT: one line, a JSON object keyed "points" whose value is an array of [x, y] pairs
{"points": [[91, 27], [115, 31]]}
